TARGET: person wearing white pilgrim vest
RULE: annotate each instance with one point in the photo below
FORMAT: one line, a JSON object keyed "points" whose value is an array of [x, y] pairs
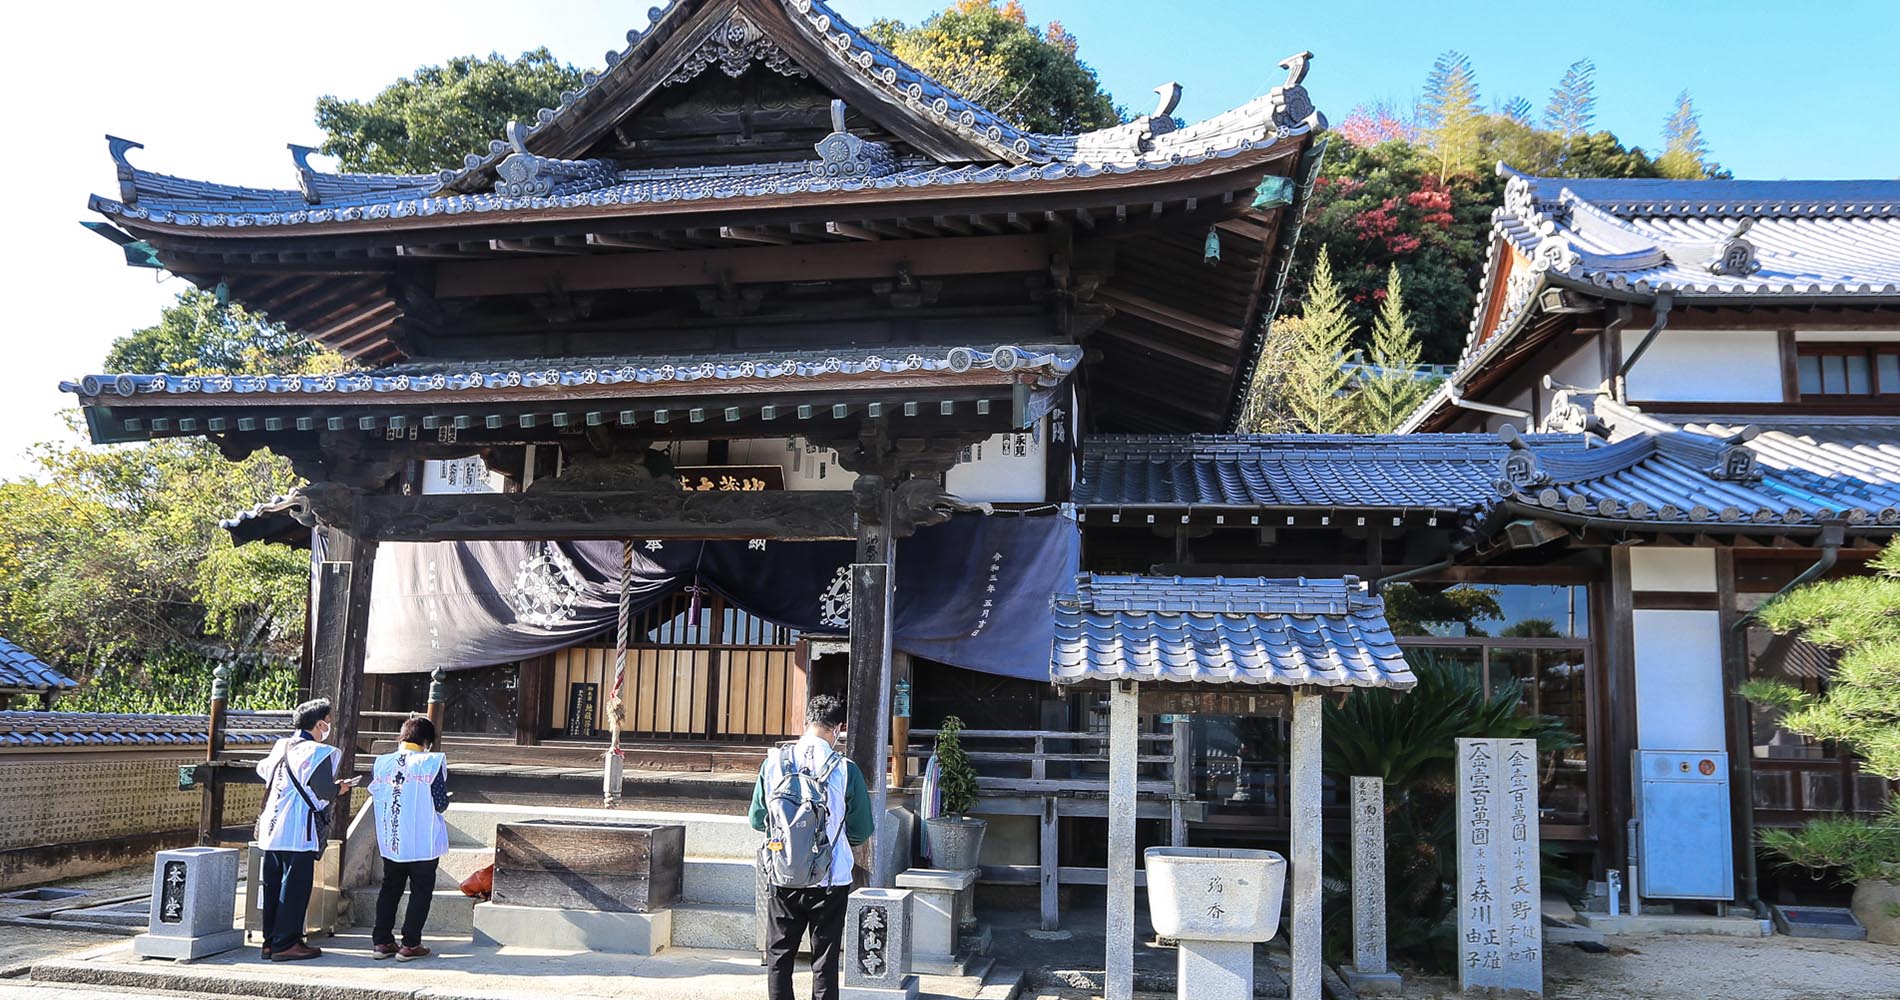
{"points": [[299, 784], [409, 789]]}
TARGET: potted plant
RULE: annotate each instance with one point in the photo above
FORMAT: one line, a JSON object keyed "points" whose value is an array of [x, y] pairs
{"points": [[1864, 853], [956, 838]]}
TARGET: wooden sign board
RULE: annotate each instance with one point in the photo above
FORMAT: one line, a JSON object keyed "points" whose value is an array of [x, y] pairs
{"points": [[730, 478], [583, 710], [604, 867]]}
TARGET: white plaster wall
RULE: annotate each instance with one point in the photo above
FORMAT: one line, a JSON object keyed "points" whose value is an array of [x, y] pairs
{"points": [[1691, 570], [461, 475], [993, 471], [1679, 704], [1583, 368], [1700, 366]]}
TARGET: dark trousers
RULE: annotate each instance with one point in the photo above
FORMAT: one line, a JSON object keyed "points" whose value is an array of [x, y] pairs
{"points": [[791, 912], [419, 876], [286, 896]]}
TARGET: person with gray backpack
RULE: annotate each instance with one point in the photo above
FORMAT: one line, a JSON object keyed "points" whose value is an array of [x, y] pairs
{"points": [[813, 807]]}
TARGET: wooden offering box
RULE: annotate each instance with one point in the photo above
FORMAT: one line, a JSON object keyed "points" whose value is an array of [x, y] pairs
{"points": [[607, 867]]}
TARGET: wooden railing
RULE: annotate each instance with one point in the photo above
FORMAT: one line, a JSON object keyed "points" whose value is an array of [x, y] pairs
{"points": [[1791, 790], [1049, 775]]}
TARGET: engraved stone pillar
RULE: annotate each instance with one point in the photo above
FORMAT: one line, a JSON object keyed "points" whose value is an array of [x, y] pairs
{"points": [[1124, 729], [1500, 918], [1368, 973], [194, 904], [1304, 797], [877, 946]]}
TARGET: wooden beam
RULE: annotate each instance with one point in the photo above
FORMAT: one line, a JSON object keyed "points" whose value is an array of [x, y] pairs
{"points": [[692, 268], [622, 242], [1169, 316], [534, 246], [752, 234], [851, 230], [653, 513]]}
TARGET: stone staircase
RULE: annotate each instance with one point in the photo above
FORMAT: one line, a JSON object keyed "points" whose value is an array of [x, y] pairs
{"points": [[720, 878]]}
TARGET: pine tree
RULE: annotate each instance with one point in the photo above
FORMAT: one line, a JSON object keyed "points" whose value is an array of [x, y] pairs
{"points": [[1313, 394], [1573, 102], [1450, 116], [1392, 393], [1518, 109], [1858, 617], [1685, 154]]}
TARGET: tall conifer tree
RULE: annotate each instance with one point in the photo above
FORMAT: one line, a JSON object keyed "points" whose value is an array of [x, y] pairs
{"points": [[1314, 396], [1573, 102], [1450, 115], [1685, 153], [1392, 392]]}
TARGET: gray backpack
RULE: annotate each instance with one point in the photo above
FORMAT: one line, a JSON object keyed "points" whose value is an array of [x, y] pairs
{"points": [[798, 848]]}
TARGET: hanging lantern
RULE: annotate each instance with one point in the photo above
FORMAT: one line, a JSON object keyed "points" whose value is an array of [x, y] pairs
{"points": [[1210, 251]]}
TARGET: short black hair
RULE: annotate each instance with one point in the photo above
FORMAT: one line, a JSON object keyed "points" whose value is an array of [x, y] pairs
{"points": [[824, 710], [419, 730], [310, 713]]}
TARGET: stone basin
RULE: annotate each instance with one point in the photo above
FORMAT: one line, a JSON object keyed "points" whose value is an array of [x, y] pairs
{"points": [[1214, 893]]}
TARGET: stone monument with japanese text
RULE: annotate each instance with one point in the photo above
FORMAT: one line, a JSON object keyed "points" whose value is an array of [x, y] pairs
{"points": [[194, 905], [1500, 921]]}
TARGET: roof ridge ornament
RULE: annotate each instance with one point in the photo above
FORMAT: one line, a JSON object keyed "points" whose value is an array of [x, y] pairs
{"points": [[1292, 107], [1519, 471], [306, 175], [842, 154], [128, 187], [1736, 256]]}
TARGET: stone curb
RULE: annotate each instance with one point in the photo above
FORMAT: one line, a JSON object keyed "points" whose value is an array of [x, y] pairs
{"points": [[186, 979]]}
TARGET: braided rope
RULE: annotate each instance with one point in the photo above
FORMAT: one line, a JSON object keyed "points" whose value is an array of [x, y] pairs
{"points": [[620, 642]]}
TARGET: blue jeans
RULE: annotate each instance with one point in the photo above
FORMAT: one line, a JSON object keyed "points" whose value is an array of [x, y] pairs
{"points": [[287, 877]]}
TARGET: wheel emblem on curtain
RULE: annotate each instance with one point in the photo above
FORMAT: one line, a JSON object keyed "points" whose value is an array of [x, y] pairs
{"points": [[546, 588], [834, 605]]}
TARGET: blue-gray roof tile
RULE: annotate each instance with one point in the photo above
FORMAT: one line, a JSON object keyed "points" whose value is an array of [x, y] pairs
{"points": [[22, 671]]}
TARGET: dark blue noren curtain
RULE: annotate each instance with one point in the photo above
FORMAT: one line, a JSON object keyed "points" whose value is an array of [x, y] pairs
{"points": [[973, 592]]}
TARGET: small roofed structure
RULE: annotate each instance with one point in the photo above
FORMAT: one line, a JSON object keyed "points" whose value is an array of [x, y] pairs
{"points": [[1202, 634], [22, 673]]}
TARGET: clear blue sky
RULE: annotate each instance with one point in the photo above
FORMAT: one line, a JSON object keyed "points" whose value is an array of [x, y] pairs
{"points": [[215, 88]]}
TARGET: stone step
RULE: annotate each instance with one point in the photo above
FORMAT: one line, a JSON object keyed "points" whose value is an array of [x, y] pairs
{"points": [[709, 925], [451, 914], [726, 881], [708, 835]]}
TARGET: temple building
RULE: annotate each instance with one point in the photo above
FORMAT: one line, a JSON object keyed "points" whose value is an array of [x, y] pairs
{"points": [[817, 376]]}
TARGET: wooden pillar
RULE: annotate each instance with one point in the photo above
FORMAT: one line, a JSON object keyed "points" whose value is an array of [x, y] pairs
{"points": [[1741, 773], [1183, 784], [1307, 838], [1124, 753], [1619, 690], [342, 636], [211, 800], [867, 734], [438, 708], [533, 681], [900, 720]]}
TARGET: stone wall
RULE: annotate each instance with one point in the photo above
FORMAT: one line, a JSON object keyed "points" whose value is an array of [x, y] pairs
{"points": [[67, 813]]}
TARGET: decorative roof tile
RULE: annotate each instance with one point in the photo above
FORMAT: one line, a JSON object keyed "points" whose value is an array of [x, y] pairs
{"points": [[47, 730], [1218, 630], [22, 671], [1048, 363]]}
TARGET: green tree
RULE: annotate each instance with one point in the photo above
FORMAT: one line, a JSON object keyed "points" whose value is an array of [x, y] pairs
{"points": [[1315, 397], [992, 55], [1449, 114], [432, 118], [1859, 618], [1573, 102], [1393, 391], [198, 335], [1685, 153]]}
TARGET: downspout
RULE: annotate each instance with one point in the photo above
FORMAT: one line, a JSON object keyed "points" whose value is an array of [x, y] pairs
{"points": [[1457, 399], [1378, 585], [1665, 301], [1741, 769]]}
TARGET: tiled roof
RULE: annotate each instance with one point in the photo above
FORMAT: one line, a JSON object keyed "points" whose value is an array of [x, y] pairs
{"points": [[101, 729], [1225, 631], [21, 670], [1050, 363], [1707, 475], [1149, 143], [1453, 472], [1697, 241]]}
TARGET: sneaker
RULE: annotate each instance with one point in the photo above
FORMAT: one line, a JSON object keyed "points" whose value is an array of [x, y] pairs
{"points": [[296, 953], [382, 951], [409, 954]]}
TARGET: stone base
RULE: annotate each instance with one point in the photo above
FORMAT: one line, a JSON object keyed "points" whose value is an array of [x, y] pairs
{"points": [[1387, 984], [907, 992], [500, 925], [184, 949], [1677, 923], [1216, 970], [973, 949]]}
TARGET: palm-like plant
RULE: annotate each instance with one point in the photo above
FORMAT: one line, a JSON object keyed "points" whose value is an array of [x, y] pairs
{"points": [[1410, 742]]}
